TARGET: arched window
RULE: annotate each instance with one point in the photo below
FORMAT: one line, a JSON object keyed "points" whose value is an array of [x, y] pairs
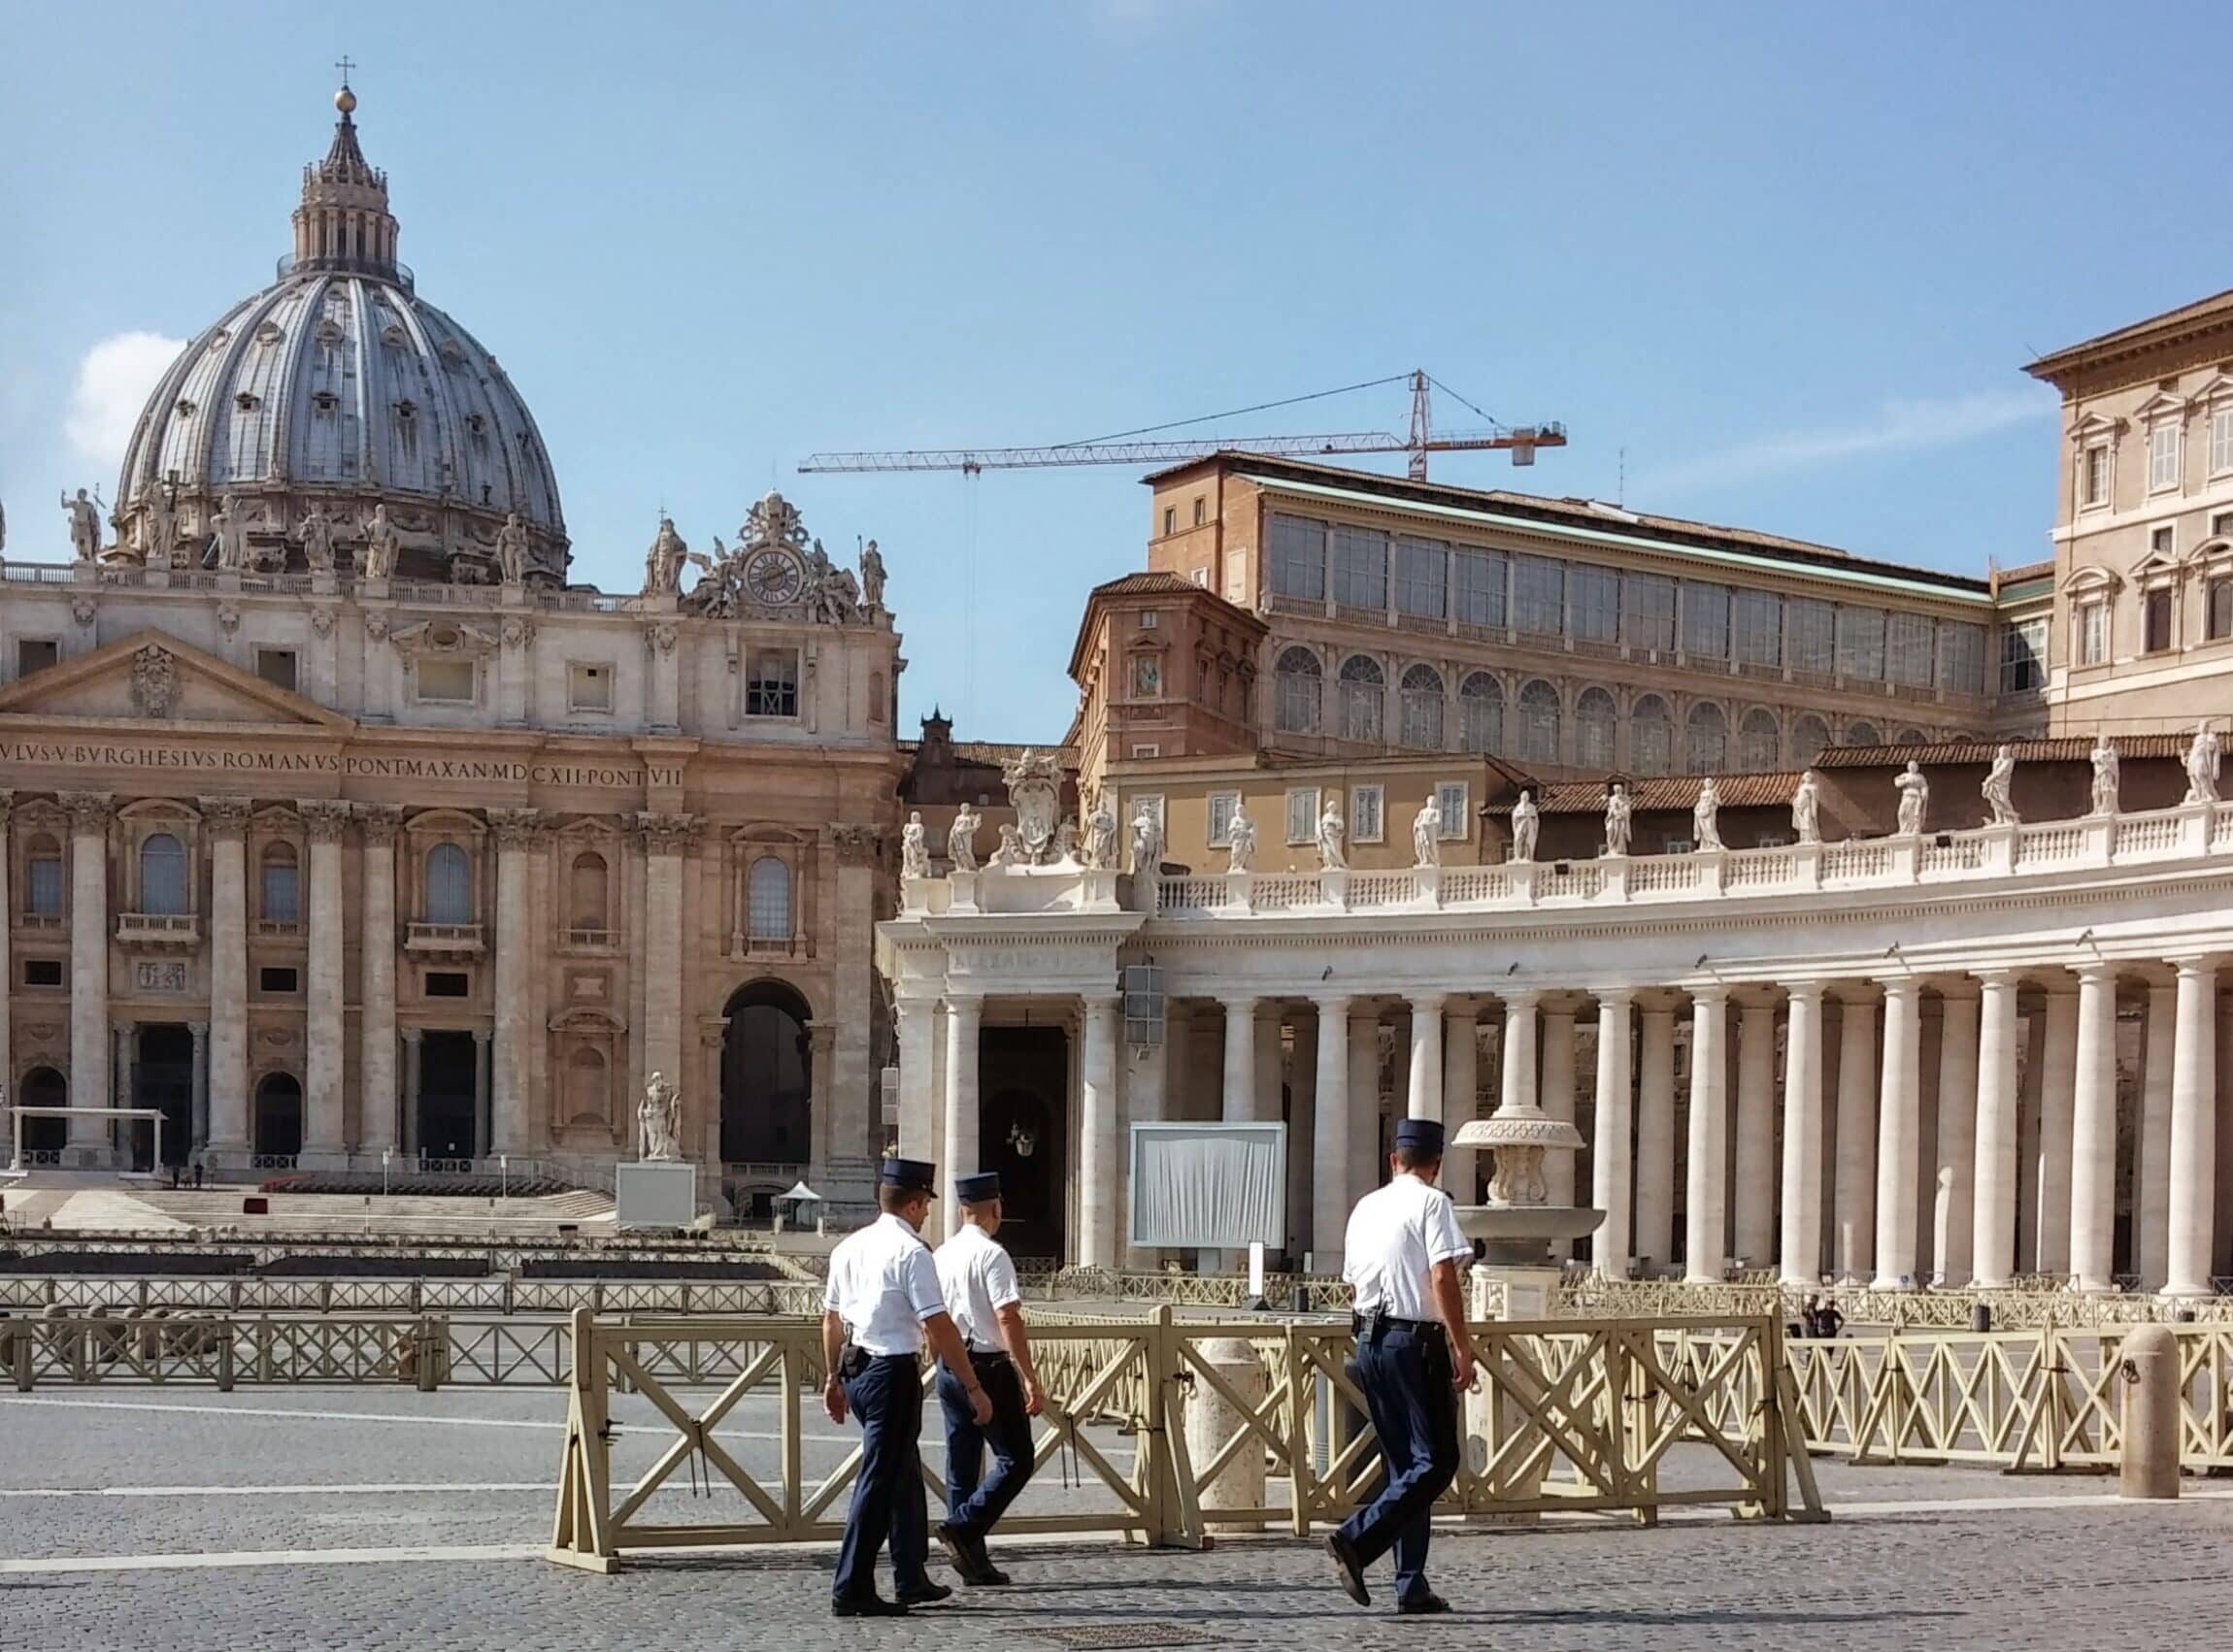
{"points": [[588, 1094], [1365, 693], [282, 884], [1538, 723], [449, 885], [1481, 714], [1863, 734], [43, 887], [1301, 681], [589, 881], [768, 899], [163, 876], [1759, 742], [1706, 740], [1422, 708], [1809, 735], [1595, 717], [1650, 737], [1911, 737], [277, 1121]]}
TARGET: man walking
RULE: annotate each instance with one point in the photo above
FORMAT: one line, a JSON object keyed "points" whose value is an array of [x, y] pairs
{"points": [[882, 1304], [978, 1282], [1414, 1356]]}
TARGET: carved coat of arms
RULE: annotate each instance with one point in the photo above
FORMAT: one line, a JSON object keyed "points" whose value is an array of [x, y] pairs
{"points": [[154, 681], [1035, 792]]}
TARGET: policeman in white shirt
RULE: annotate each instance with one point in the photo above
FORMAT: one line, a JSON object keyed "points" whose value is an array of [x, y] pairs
{"points": [[883, 1302], [1414, 1356], [978, 1281]]}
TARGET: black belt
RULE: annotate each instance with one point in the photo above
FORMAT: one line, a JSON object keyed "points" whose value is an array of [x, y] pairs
{"points": [[989, 1356]]}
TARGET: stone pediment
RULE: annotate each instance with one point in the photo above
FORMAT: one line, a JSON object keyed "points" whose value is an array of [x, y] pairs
{"points": [[149, 677]]}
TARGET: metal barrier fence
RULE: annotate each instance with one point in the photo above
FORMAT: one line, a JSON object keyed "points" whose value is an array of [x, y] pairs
{"points": [[2032, 1304], [237, 1294], [1572, 1417]]}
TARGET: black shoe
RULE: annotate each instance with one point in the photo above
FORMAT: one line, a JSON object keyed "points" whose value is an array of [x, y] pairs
{"points": [[1426, 1604], [988, 1575], [965, 1552], [865, 1606], [1349, 1568], [924, 1594]]}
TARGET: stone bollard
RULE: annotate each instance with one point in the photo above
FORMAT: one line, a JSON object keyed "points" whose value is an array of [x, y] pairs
{"points": [[1212, 1421], [2148, 1367]]}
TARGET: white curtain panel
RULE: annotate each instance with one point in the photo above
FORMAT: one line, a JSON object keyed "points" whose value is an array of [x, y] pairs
{"points": [[1221, 1185]]}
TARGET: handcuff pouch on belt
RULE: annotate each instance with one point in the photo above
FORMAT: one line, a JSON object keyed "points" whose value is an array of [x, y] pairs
{"points": [[852, 1360]]}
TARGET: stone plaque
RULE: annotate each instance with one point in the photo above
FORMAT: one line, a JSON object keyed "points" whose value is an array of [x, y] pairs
{"points": [[656, 1193], [164, 975]]}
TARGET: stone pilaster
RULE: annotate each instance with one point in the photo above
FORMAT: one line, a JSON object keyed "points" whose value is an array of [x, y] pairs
{"points": [[666, 838], [324, 1049], [845, 1094], [1097, 1133], [509, 1075], [663, 675], [6, 958], [90, 814], [226, 819], [964, 1017], [377, 1117], [200, 1029]]}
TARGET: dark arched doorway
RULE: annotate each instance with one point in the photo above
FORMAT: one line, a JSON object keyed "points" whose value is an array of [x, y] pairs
{"points": [[163, 1076], [44, 1087], [279, 1117], [1023, 1132], [767, 1077]]}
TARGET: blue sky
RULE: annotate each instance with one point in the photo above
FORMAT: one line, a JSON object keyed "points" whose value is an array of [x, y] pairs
{"points": [[1784, 262]]}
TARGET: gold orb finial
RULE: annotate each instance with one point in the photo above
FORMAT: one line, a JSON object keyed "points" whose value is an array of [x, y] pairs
{"points": [[344, 100]]}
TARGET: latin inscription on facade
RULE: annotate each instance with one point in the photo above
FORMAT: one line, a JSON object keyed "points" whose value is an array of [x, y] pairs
{"points": [[89, 754]]}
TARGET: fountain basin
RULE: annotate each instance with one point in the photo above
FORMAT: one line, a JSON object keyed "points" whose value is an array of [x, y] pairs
{"points": [[1521, 1236]]}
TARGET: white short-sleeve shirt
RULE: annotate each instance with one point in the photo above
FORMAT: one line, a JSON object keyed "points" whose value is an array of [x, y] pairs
{"points": [[883, 1285], [1395, 1237], [978, 1280]]}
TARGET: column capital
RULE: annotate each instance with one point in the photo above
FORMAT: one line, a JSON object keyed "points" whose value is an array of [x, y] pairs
{"points": [[1611, 995], [2194, 969], [964, 1002], [412, 1035], [857, 845], [90, 811], [1098, 1004], [667, 833], [2099, 971], [480, 1035], [379, 822], [1812, 991], [1428, 1002], [323, 818], [1709, 992], [1332, 1002], [1997, 980], [516, 828], [1520, 998], [1904, 987], [6, 806], [225, 818], [1238, 1003]]}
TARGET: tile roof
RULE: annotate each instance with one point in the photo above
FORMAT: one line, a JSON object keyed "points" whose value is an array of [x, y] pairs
{"points": [[2070, 748], [1143, 583], [2217, 306], [1661, 793], [993, 752]]}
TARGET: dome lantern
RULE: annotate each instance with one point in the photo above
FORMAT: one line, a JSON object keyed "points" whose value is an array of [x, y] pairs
{"points": [[343, 222]]}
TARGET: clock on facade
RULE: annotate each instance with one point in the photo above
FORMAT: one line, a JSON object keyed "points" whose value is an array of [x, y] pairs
{"points": [[775, 577]]}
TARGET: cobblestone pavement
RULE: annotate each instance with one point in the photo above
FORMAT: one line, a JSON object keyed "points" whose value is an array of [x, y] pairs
{"points": [[184, 1519]]}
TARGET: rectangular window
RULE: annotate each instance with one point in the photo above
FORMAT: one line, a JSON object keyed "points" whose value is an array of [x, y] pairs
{"points": [[1170, 519], [1201, 511], [588, 687], [1303, 814], [2092, 633], [1224, 805], [282, 892], [2222, 524], [1150, 619], [42, 971], [273, 978], [449, 983], [1648, 612], [1481, 589], [2222, 440], [2093, 481], [1593, 603], [1757, 628], [1422, 569], [45, 891], [2155, 622], [1361, 568], [2219, 600], [1155, 750], [1368, 813], [447, 681], [1810, 635], [1704, 620], [1861, 644], [2163, 457], [1452, 809], [1910, 648], [36, 653], [277, 667], [2023, 656], [1299, 558], [772, 682], [1539, 596], [2162, 540], [1961, 657]]}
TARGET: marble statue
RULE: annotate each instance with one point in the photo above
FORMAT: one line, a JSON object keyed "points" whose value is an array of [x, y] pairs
{"points": [[159, 529], [2202, 765], [1526, 822], [1333, 837], [2105, 776], [316, 536], [1101, 836], [1239, 842], [512, 550], [961, 839], [84, 526], [1146, 841], [659, 1120], [1619, 814], [914, 850], [1065, 849], [229, 536], [663, 562], [1914, 797], [1807, 810], [382, 543], [1999, 788], [870, 576], [1706, 817], [1011, 850], [1427, 834]]}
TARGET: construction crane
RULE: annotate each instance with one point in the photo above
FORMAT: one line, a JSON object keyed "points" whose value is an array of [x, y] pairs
{"points": [[1125, 448]]}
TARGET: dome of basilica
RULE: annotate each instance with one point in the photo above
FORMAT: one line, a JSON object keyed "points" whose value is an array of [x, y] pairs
{"points": [[335, 391]]}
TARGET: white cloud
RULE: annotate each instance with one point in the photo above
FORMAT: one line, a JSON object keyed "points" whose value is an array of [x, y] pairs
{"points": [[113, 379], [1898, 426]]}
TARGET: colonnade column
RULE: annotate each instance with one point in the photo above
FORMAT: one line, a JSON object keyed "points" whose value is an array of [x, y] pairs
{"points": [[2193, 1158], [1364, 1087], [1899, 1136], [1461, 1091], [1271, 1029], [1992, 1247], [1755, 1191], [227, 819], [1423, 1096], [377, 1121], [1330, 1137], [964, 1019], [917, 1025], [1655, 1137], [1517, 1088], [1704, 1249], [89, 815], [7, 957], [411, 1067], [1854, 1215], [1802, 1259], [2151, 1190], [2093, 1132], [1240, 1094], [1302, 1136], [1610, 1180], [1147, 1100], [324, 1057], [2058, 1106], [1097, 1135], [1955, 1179], [515, 835], [1556, 1092]]}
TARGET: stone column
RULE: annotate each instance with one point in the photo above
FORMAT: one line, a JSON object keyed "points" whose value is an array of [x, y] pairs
{"points": [[919, 1103], [2151, 1188], [1611, 1153], [411, 1051], [1367, 1165], [377, 1119], [1855, 1211], [1801, 1248], [515, 955], [1423, 1097], [2193, 1193], [1271, 1025], [89, 815], [123, 1132], [2058, 1106], [1755, 1191], [1556, 1092], [200, 1133], [845, 1095], [483, 1094], [1461, 1097], [1705, 1214], [1899, 1136], [226, 821], [1330, 1137], [1992, 1243], [323, 1137], [1147, 1100], [6, 958], [1240, 1093], [1955, 1182], [666, 839], [1655, 1137], [964, 1021], [2093, 1132], [1097, 1133], [1516, 1082], [1302, 1136]]}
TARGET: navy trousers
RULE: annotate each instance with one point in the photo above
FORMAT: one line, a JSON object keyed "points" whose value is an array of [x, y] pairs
{"points": [[973, 1505], [1406, 1374], [887, 1497]]}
